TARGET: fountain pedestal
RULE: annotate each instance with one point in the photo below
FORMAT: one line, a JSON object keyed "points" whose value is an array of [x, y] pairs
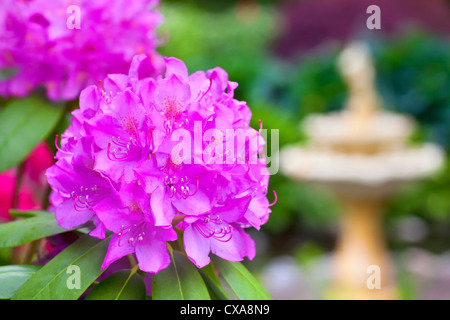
{"points": [[363, 269]]}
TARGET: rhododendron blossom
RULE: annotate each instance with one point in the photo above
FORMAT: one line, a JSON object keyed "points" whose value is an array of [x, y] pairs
{"points": [[118, 166], [37, 48]]}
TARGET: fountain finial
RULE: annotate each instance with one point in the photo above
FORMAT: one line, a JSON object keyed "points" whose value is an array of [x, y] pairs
{"points": [[356, 67]]}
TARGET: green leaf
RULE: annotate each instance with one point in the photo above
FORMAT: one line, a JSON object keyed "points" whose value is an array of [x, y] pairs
{"points": [[212, 283], [241, 281], [13, 276], [5, 256], [23, 124], [179, 281], [17, 233], [57, 280], [27, 213], [122, 285]]}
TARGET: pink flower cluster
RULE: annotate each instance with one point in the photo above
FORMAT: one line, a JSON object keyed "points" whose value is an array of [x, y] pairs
{"points": [[32, 182], [116, 166], [39, 45]]}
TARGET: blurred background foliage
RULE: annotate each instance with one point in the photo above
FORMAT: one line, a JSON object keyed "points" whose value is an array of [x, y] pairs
{"points": [[283, 55], [282, 84]]}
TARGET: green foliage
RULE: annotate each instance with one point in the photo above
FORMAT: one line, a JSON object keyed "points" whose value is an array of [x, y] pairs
{"points": [[5, 256], [23, 124], [241, 281], [180, 281], [308, 253], [121, 285], [51, 281], [213, 283], [19, 232], [412, 77], [56, 280], [13, 276], [207, 39], [413, 72]]}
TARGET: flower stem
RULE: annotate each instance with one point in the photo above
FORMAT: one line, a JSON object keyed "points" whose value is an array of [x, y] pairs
{"points": [[29, 254], [132, 260]]}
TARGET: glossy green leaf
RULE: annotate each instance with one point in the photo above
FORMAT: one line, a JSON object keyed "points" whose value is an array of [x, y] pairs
{"points": [[27, 213], [122, 285], [19, 232], [13, 276], [179, 281], [58, 279], [5, 256], [23, 124], [242, 282], [212, 283]]}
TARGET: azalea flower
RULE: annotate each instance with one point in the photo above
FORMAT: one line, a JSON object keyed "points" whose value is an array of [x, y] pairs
{"points": [[39, 47], [119, 167]]}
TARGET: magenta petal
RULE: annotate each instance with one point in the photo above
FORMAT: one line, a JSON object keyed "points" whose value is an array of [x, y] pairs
{"points": [[175, 91], [176, 66], [197, 247], [141, 67], [163, 211], [83, 157], [118, 248], [68, 217], [104, 164], [147, 173], [114, 220], [239, 246], [102, 128], [145, 89], [133, 73], [129, 111], [89, 99], [99, 231], [115, 83], [194, 205], [152, 255], [220, 76], [158, 138], [234, 209]]}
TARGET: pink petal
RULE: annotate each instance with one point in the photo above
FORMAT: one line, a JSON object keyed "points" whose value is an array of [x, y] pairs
{"points": [[118, 248], [239, 246], [163, 210], [99, 231], [68, 217], [197, 247], [193, 205], [176, 66], [152, 255]]}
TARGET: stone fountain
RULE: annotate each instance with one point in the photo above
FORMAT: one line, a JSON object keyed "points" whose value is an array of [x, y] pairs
{"points": [[362, 154]]}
